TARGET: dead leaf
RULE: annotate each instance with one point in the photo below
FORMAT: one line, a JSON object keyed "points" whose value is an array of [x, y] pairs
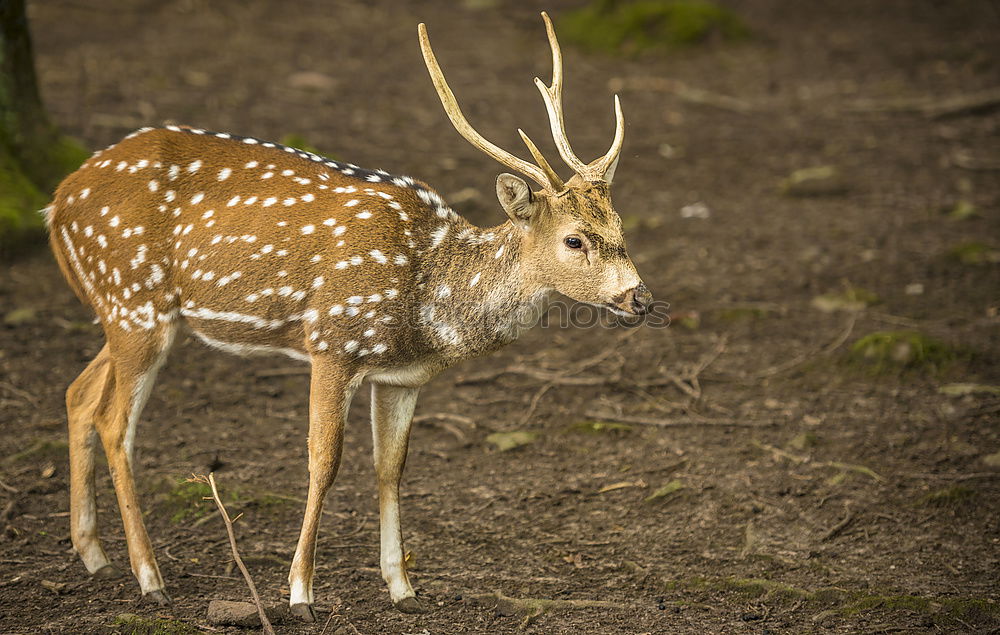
{"points": [[621, 485], [55, 587], [509, 440], [668, 489]]}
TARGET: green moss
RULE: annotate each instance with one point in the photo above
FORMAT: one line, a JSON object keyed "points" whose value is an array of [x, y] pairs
{"points": [[599, 427], [64, 156], [43, 450], [850, 299], [186, 500], [130, 624], [625, 26], [974, 610], [974, 253], [20, 202], [886, 351], [948, 497], [839, 601]]}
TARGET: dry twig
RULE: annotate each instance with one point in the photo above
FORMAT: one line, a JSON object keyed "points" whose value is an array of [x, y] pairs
{"points": [[935, 107], [676, 423], [680, 90], [808, 462], [531, 608], [798, 360], [836, 530], [236, 554]]}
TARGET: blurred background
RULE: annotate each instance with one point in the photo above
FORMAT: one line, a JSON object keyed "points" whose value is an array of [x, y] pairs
{"points": [[812, 446]]}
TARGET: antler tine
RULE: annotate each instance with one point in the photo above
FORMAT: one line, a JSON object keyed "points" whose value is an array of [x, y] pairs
{"points": [[542, 176], [600, 169], [552, 96], [606, 165], [542, 163]]}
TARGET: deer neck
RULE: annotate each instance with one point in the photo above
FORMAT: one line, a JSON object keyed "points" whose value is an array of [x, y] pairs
{"points": [[478, 293]]}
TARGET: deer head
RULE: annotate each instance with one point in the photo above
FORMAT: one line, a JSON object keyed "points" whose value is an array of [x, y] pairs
{"points": [[572, 238]]}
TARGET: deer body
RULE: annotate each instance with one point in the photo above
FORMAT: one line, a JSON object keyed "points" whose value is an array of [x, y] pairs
{"points": [[261, 248]]}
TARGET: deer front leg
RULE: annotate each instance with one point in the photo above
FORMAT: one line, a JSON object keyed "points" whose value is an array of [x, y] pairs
{"points": [[392, 412], [330, 392]]}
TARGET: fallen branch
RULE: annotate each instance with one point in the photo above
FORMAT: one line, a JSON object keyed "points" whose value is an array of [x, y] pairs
{"points": [[560, 377], [236, 554], [802, 358], [531, 608], [445, 416], [836, 530], [933, 107], [680, 90], [677, 423], [808, 462]]}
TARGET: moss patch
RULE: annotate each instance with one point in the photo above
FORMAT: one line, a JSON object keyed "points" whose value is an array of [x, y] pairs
{"points": [[840, 601], [130, 624], [41, 451], [974, 253], [948, 497], [599, 427], [185, 500], [629, 27], [887, 351], [20, 200]]}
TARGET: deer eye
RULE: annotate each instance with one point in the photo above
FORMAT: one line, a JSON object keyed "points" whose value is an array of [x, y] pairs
{"points": [[573, 242]]}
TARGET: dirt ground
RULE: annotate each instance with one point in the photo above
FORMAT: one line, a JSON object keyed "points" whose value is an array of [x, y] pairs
{"points": [[798, 492]]}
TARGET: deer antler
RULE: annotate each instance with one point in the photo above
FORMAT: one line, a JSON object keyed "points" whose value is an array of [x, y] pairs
{"points": [[602, 169], [543, 174]]}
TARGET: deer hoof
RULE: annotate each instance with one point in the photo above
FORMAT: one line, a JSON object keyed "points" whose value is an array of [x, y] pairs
{"points": [[159, 596], [410, 605], [304, 612], [107, 572]]}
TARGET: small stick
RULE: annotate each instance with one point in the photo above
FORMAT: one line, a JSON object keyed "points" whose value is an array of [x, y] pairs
{"points": [[236, 554], [839, 527], [673, 423], [445, 416]]}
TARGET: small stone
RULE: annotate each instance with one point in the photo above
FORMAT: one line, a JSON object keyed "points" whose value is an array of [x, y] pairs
{"points": [[227, 613], [695, 210]]}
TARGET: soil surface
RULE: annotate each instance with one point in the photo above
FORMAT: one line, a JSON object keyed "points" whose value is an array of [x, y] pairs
{"points": [[785, 489]]}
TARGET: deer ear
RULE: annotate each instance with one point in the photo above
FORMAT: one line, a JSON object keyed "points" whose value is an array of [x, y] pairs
{"points": [[515, 198]]}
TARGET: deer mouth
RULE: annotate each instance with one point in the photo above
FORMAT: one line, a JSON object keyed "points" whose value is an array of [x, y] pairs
{"points": [[620, 310]]}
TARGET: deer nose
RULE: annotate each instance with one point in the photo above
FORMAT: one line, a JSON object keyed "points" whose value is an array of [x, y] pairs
{"points": [[639, 299]]}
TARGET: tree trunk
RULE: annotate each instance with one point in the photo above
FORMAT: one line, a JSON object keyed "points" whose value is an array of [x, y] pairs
{"points": [[34, 155]]}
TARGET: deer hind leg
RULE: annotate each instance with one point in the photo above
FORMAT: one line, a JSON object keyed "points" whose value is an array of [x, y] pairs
{"points": [[132, 377], [392, 412], [330, 392], [85, 396]]}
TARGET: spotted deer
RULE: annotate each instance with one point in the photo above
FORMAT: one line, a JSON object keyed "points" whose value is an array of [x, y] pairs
{"points": [[261, 248]]}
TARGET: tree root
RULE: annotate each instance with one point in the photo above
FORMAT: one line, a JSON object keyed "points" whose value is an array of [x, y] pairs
{"points": [[531, 608]]}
